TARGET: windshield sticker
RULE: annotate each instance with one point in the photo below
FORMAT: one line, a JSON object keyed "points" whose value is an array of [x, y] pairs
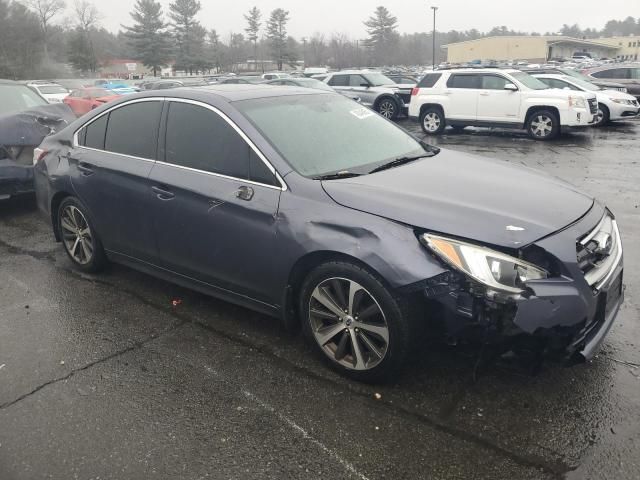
{"points": [[362, 113]]}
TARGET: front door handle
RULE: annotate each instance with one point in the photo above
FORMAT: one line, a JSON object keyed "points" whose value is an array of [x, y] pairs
{"points": [[85, 169], [163, 193], [245, 193]]}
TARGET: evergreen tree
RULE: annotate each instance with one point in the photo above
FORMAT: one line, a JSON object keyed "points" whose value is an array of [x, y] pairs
{"points": [[277, 35], [252, 30], [186, 32], [382, 29], [148, 36]]}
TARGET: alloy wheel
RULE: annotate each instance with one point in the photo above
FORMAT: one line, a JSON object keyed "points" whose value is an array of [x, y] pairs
{"points": [[431, 122], [387, 109], [542, 126], [599, 116], [348, 324], [76, 235]]}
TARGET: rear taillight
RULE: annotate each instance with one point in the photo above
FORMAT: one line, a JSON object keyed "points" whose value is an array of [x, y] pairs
{"points": [[38, 154], [415, 91]]}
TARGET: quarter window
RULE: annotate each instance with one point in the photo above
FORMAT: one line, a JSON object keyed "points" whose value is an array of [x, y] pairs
{"points": [[133, 129], [201, 139]]}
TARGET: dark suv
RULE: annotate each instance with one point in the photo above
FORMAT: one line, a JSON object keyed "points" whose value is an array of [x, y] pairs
{"points": [[604, 84], [626, 74]]}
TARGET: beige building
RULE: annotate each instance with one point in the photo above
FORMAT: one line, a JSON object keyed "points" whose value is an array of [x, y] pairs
{"points": [[628, 47], [534, 49]]}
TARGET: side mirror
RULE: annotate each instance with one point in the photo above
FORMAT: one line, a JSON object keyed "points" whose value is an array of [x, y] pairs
{"points": [[511, 87], [365, 85]]}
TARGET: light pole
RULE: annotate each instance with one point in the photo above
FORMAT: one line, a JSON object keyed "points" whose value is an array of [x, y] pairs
{"points": [[435, 9]]}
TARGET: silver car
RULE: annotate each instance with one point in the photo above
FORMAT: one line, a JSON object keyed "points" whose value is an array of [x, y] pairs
{"points": [[372, 89]]}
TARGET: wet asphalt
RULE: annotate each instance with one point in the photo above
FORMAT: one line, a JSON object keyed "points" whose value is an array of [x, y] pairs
{"points": [[102, 377]]}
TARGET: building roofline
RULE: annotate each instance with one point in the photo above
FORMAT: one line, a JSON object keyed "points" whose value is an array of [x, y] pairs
{"points": [[548, 38]]}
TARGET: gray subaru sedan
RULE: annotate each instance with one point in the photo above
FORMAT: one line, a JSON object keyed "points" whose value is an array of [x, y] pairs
{"points": [[305, 205]]}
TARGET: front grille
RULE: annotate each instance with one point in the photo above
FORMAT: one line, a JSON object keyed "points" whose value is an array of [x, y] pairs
{"points": [[599, 252], [593, 105]]}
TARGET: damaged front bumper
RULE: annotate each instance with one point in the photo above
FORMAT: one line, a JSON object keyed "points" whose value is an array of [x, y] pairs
{"points": [[566, 315], [15, 178]]}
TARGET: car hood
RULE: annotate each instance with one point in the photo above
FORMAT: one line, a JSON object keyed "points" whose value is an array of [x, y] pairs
{"points": [[565, 94], [29, 127], [466, 196], [615, 94]]}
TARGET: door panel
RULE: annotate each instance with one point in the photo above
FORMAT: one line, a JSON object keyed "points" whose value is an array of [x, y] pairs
{"points": [[215, 229], [462, 91], [495, 104]]}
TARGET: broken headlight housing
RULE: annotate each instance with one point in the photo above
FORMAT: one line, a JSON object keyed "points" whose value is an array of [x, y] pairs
{"points": [[489, 267]]}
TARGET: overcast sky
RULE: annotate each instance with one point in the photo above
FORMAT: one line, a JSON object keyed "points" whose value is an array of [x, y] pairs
{"points": [[346, 16]]}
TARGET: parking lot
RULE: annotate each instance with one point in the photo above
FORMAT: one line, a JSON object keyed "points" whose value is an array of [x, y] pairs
{"points": [[125, 376]]}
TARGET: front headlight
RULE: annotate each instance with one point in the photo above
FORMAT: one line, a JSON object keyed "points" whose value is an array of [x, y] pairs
{"points": [[489, 267], [577, 102], [622, 101]]}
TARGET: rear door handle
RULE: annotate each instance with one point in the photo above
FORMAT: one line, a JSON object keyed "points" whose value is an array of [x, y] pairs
{"points": [[85, 169], [245, 193], [163, 193]]}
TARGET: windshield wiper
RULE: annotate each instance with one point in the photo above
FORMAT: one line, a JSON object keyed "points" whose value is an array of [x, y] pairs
{"points": [[400, 161], [334, 176]]}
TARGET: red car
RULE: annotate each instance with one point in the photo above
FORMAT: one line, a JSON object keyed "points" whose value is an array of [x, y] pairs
{"points": [[84, 100]]}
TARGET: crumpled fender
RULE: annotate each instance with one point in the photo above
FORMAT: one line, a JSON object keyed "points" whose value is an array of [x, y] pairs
{"points": [[29, 127]]}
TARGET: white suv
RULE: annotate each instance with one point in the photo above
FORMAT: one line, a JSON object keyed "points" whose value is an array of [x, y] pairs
{"points": [[498, 98]]}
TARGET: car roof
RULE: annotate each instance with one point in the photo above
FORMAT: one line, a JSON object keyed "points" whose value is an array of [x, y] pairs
{"points": [[234, 92], [478, 70]]}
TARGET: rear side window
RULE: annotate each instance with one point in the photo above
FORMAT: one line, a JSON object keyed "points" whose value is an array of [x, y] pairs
{"points": [[621, 73], [95, 133], [339, 81], [464, 81], [429, 80], [133, 129]]}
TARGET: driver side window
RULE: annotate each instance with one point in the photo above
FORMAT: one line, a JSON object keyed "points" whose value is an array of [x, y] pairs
{"points": [[357, 81]]}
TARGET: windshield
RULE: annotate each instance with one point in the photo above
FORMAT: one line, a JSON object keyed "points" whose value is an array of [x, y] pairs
{"points": [[51, 89], [312, 83], [326, 133], [377, 79], [529, 81], [584, 84], [16, 98]]}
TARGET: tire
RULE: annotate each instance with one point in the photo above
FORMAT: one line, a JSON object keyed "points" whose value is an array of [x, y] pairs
{"points": [[79, 238], [543, 125], [432, 121], [382, 341], [388, 108], [603, 115]]}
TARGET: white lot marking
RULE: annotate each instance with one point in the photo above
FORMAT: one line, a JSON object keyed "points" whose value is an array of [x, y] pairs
{"points": [[362, 113], [283, 418]]}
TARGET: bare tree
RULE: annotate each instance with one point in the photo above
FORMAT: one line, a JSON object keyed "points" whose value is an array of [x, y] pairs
{"points": [[45, 10], [87, 15]]}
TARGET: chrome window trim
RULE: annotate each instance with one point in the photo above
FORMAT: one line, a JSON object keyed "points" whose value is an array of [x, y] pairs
{"points": [[232, 124], [283, 186]]}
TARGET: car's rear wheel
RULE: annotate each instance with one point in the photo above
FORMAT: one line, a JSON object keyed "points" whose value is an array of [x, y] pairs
{"points": [[388, 108], [603, 115], [79, 238], [432, 121], [543, 125], [359, 327]]}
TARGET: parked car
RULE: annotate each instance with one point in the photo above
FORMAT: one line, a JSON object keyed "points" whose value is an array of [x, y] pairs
{"points": [[119, 88], [338, 221], [612, 105], [374, 90], [25, 119], [606, 85], [498, 98], [162, 85], [274, 75], [311, 71], [301, 82], [241, 80], [626, 74], [50, 91], [84, 100]]}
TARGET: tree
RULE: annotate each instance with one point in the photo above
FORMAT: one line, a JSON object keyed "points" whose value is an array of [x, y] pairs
{"points": [[186, 31], [148, 36], [20, 41], [82, 54], [382, 29], [45, 10], [252, 30], [277, 35]]}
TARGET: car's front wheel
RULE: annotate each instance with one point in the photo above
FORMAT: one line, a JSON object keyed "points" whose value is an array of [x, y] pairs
{"points": [[543, 125], [80, 240], [603, 115], [432, 121], [355, 321], [388, 108]]}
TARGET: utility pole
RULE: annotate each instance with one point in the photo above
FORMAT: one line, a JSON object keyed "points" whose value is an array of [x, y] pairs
{"points": [[435, 9]]}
